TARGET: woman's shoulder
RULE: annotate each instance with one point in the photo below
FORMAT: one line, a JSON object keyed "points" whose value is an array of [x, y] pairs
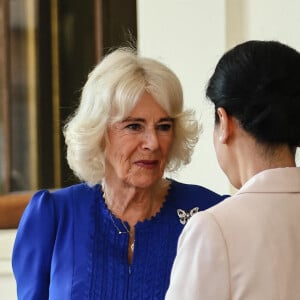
{"points": [[69, 192], [181, 187], [49, 206], [196, 194], [78, 194]]}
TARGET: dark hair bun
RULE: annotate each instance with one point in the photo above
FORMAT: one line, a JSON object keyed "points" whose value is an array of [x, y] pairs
{"points": [[258, 82]]}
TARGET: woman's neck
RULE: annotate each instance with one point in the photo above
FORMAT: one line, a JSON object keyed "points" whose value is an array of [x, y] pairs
{"points": [[264, 159], [133, 204]]}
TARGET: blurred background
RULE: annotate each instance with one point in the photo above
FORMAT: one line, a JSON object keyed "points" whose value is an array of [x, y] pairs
{"points": [[48, 47]]}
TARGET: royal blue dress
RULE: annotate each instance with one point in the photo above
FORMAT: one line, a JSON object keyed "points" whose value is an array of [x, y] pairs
{"points": [[67, 246]]}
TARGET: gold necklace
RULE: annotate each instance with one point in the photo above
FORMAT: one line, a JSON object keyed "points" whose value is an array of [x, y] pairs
{"points": [[116, 226], [127, 230]]}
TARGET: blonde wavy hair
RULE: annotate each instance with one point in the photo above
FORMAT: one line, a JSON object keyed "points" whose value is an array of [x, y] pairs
{"points": [[112, 90]]}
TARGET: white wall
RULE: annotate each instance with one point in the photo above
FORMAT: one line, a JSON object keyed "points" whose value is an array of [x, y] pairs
{"points": [[7, 282], [190, 36], [264, 19]]}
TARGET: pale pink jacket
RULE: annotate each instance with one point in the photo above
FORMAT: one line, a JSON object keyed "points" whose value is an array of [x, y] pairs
{"points": [[245, 248]]}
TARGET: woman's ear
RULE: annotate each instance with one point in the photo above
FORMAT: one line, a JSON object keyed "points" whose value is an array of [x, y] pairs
{"points": [[224, 125]]}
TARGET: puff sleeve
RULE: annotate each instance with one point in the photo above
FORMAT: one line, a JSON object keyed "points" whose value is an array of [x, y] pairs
{"points": [[33, 247]]}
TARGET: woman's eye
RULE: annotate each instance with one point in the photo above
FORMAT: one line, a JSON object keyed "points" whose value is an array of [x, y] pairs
{"points": [[164, 127], [134, 126]]}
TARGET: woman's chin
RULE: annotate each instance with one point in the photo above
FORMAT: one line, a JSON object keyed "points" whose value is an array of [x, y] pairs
{"points": [[144, 182]]}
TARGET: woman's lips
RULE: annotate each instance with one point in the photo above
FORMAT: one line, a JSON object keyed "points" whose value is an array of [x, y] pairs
{"points": [[148, 164]]}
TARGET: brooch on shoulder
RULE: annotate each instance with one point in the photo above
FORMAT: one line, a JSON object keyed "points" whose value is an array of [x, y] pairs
{"points": [[185, 215]]}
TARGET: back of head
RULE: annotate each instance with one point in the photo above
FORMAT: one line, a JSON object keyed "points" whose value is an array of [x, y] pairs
{"points": [[258, 83]]}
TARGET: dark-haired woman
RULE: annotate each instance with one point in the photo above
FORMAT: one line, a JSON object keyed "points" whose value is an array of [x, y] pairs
{"points": [[248, 246]]}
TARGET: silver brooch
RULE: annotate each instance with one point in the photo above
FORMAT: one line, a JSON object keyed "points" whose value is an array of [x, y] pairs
{"points": [[185, 215]]}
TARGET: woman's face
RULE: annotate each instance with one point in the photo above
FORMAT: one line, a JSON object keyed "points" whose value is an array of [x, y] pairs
{"points": [[138, 147]]}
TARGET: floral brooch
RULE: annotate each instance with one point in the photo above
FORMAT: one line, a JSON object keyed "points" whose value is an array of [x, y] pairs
{"points": [[185, 215]]}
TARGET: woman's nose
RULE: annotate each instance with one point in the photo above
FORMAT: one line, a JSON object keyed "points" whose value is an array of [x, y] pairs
{"points": [[150, 140]]}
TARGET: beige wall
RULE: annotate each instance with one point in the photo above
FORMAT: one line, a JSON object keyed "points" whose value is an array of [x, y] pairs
{"points": [[190, 35]]}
